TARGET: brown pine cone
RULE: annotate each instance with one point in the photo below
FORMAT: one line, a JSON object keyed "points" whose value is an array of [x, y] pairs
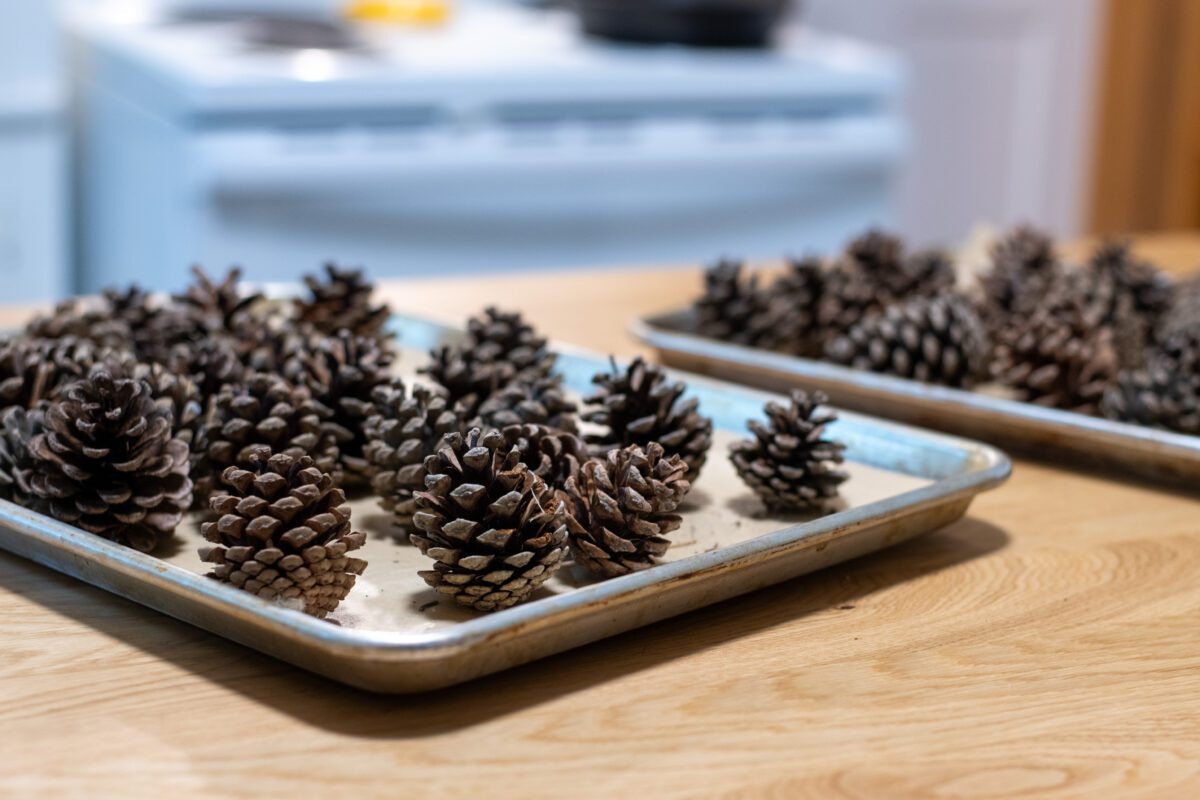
{"points": [[342, 372], [262, 410], [735, 309], [552, 454], [494, 529], [72, 319], [536, 401], [623, 508], [505, 337], [640, 405], [800, 289], [34, 370], [790, 463], [1165, 393], [18, 426], [1148, 289], [467, 377], [107, 462], [342, 302], [402, 432], [282, 532], [850, 296], [935, 340], [925, 274], [1023, 263], [1060, 357], [177, 393], [218, 307], [210, 364]]}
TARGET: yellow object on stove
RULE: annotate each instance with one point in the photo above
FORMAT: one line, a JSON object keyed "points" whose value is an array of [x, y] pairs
{"points": [[399, 12]]}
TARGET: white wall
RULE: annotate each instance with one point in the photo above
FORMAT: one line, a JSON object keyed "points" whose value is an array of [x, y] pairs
{"points": [[1000, 106]]}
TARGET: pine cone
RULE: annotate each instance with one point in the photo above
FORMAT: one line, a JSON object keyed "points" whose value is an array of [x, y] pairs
{"points": [[537, 401], [263, 410], [106, 461], [71, 319], [17, 429], [877, 253], [1166, 393], [33, 370], [342, 373], [623, 509], [505, 337], [1104, 303], [850, 296], [343, 302], [1023, 263], [1059, 358], [801, 289], [936, 340], [467, 377], [639, 405], [1148, 289], [177, 393], [552, 454], [493, 528], [925, 274], [282, 532], [218, 307], [790, 464], [210, 364], [401, 433], [736, 310]]}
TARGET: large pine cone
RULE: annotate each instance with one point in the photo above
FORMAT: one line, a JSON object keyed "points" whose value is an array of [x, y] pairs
{"points": [[790, 463], [107, 462], [624, 506], [401, 433], [1060, 357], [936, 340], [494, 529], [467, 377], [505, 337], [552, 454], [1023, 263], [342, 302], [640, 405], [735, 309], [342, 372], [18, 426], [282, 531], [536, 401], [263, 410], [1166, 393]]}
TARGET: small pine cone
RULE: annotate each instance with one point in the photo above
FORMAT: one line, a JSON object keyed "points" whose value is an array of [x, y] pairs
{"points": [[342, 302], [536, 401], [494, 529], [1060, 358], [1148, 289], [107, 462], [217, 307], [71, 319], [263, 410], [342, 372], [552, 454], [737, 310], [624, 506], [877, 253], [1184, 314], [402, 432], [924, 274], [850, 297], [935, 340], [1023, 263], [502, 336], [1104, 303], [282, 532], [18, 426], [790, 464], [467, 377], [210, 364], [33, 370], [176, 393], [640, 405], [1165, 393], [800, 289]]}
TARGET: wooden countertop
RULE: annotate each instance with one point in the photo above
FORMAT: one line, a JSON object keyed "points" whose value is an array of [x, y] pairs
{"points": [[1046, 646]]}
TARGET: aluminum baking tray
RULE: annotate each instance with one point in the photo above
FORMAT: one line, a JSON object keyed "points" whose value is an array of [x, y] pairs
{"points": [[985, 414], [393, 634]]}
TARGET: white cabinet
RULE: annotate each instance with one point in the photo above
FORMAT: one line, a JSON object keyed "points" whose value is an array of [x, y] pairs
{"points": [[999, 105]]}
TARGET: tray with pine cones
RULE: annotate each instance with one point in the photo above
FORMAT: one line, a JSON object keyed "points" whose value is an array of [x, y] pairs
{"points": [[401, 506], [1006, 341]]}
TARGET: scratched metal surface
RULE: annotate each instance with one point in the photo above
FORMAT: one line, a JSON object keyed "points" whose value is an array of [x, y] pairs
{"points": [[395, 635]]}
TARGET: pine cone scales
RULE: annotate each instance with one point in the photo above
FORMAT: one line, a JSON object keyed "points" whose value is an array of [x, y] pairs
{"points": [[554, 455], [33, 370], [467, 377], [936, 340], [492, 527], [624, 506], [800, 289], [264, 410], [401, 434], [736, 310], [500, 336], [537, 401], [1023, 265], [1165, 393], [217, 307], [1148, 289], [106, 461], [342, 302], [17, 428], [639, 405], [283, 531], [790, 464]]}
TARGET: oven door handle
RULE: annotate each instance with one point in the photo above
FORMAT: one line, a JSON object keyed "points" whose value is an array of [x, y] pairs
{"points": [[248, 164]]}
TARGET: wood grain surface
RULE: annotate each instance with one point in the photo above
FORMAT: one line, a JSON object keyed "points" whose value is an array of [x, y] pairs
{"points": [[1046, 646]]}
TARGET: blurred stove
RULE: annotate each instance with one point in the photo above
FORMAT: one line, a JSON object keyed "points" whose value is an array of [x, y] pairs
{"points": [[502, 140]]}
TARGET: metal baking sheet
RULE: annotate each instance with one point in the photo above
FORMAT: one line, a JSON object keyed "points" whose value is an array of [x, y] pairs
{"points": [[985, 414], [393, 634]]}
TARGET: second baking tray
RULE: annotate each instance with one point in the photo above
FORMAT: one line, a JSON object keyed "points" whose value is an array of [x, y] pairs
{"points": [[394, 634], [1026, 427]]}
